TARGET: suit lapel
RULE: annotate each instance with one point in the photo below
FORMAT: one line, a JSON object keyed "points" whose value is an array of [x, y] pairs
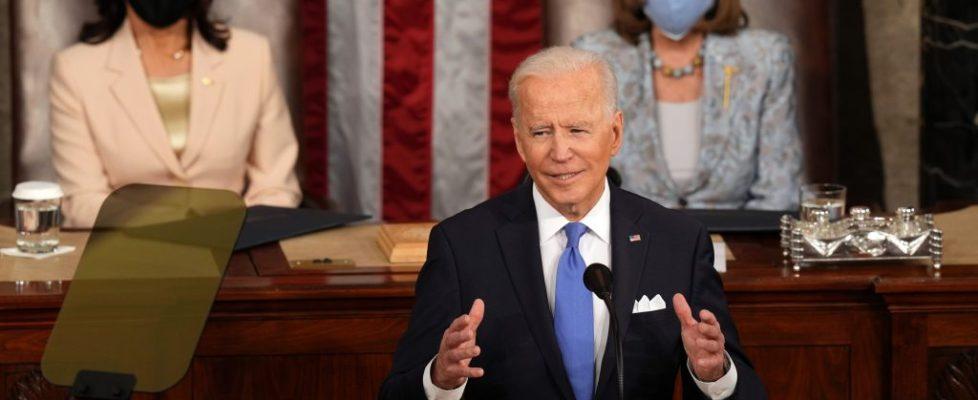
{"points": [[131, 90], [520, 244], [206, 89], [628, 262]]}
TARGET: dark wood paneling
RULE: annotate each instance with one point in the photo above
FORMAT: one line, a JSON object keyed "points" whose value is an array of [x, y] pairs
{"points": [[351, 376], [257, 378], [909, 370], [301, 336], [803, 372], [858, 332], [858, 329], [952, 329]]}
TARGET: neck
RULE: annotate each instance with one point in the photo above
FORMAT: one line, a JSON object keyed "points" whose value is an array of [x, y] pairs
{"points": [[661, 42], [169, 39]]}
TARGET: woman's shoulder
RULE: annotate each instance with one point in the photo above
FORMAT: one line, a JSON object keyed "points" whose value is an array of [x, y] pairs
{"points": [[605, 41], [79, 52], [79, 60], [763, 37], [760, 41], [762, 46]]}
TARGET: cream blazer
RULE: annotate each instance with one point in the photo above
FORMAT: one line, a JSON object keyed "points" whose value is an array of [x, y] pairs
{"points": [[107, 131]]}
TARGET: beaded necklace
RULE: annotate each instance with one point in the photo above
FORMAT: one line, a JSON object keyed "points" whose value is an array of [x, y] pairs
{"points": [[677, 73]]}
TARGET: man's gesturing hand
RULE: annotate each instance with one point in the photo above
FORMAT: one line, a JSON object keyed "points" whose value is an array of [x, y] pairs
{"points": [[457, 350], [702, 340]]}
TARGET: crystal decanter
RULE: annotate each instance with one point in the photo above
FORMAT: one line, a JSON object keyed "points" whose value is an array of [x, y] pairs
{"points": [[868, 237], [823, 236], [907, 233]]}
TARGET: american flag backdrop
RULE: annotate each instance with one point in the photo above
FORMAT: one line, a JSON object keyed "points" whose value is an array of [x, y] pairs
{"points": [[405, 108]]}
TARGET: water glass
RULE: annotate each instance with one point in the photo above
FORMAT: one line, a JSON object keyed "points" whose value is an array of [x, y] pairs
{"points": [[822, 196], [37, 207]]}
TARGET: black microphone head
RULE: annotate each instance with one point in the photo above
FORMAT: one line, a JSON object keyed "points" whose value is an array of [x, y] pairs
{"points": [[597, 279]]}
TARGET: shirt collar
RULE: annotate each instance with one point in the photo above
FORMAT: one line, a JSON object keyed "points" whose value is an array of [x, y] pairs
{"points": [[597, 220]]}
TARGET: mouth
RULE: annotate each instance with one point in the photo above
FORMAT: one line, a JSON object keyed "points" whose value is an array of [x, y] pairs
{"points": [[564, 177]]}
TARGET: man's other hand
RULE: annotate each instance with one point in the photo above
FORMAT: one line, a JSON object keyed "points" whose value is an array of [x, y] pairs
{"points": [[457, 350], [702, 340]]}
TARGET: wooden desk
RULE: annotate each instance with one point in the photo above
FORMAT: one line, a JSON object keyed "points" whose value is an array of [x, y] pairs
{"points": [[853, 332]]}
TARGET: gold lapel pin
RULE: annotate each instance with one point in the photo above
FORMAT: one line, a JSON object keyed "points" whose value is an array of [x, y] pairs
{"points": [[728, 73]]}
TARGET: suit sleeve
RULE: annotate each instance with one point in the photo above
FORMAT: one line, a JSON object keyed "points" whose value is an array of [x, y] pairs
{"points": [[779, 158], [274, 149], [437, 303], [707, 293], [74, 154]]}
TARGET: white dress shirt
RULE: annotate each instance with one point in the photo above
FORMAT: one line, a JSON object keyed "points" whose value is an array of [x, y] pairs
{"points": [[595, 247]]}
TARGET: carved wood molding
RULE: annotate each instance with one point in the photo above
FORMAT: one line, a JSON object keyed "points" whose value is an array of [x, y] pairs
{"points": [[959, 381], [31, 385]]}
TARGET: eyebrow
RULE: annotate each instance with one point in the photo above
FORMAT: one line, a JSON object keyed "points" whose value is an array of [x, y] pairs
{"points": [[577, 124], [541, 125]]}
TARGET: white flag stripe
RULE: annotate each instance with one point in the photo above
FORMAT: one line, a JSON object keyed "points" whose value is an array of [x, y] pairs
{"points": [[460, 125], [355, 124]]}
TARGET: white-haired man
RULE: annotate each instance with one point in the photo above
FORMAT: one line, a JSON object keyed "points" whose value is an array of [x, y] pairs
{"points": [[515, 264]]}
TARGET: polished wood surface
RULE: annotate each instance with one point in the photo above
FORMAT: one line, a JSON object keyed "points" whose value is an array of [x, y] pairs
{"points": [[872, 331]]}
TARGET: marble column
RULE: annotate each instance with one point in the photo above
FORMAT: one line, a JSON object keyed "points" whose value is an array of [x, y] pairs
{"points": [[949, 136]]}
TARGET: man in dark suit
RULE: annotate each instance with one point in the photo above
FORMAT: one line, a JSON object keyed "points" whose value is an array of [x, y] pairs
{"points": [[515, 264]]}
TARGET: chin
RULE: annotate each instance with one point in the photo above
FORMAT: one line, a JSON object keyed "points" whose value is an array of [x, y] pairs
{"points": [[566, 196]]}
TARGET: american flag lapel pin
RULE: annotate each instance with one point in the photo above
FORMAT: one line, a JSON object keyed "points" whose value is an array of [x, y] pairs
{"points": [[635, 238]]}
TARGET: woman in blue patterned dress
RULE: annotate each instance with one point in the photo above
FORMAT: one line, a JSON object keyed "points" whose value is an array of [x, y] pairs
{"points": [[709, 105]]}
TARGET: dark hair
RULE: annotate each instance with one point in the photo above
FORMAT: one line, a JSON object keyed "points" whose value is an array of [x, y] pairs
{"points": [[725, 18], [113, 12]]}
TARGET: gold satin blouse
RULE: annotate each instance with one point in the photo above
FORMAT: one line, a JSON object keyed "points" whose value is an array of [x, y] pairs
{"points": [[172, 95]]}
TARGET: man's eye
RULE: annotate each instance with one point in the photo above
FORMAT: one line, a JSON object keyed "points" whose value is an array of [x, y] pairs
{"points": [[578, 131], [538, 133]]}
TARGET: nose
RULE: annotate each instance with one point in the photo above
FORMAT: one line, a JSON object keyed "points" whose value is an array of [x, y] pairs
{"points": [[562, 150]]}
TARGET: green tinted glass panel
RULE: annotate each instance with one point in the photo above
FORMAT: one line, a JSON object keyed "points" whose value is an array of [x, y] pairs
{"points": [[145, 285]]}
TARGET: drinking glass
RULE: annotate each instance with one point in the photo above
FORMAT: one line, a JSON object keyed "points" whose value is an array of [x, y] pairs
{"points": [[37, 207], [822, 196]]}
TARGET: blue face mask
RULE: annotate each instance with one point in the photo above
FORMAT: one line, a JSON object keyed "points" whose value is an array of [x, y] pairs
{"points": [[676, 17]]}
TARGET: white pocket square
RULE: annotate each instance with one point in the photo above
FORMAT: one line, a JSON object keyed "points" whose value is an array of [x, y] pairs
{"points": [[645, 305]]}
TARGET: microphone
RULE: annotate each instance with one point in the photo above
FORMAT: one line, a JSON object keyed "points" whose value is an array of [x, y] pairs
{"points": [[597, 279]]}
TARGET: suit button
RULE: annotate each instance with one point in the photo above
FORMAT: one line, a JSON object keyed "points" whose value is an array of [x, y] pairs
{"points": [[682, 202]]}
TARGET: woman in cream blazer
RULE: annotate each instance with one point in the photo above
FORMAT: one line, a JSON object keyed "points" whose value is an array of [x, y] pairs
{"points": [[107, 130]]}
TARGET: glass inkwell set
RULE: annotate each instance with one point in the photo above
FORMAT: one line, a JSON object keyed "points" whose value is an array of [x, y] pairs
{"points": [[824, 234]]}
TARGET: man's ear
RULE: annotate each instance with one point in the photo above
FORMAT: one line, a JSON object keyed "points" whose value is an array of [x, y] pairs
{"points": [[617, 132], [516, 138]]}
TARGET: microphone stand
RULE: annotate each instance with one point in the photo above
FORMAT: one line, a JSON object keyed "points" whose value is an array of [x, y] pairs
{"points": [[619, 359]]}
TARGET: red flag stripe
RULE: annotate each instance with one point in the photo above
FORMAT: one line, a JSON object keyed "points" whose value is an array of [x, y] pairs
{"points": [[314, 97], [409, 27], [517, 33]]}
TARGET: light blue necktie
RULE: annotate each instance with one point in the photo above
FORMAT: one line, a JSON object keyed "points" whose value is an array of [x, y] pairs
{"points": [[574, 315]]}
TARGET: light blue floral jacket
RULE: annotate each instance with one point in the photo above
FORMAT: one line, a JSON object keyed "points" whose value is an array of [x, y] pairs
{"points": [[750, 151]]}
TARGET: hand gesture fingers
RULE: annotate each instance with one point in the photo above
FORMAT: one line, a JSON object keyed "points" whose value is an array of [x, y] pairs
{"points": [[703, 340], [458, 348], [683, 311]]}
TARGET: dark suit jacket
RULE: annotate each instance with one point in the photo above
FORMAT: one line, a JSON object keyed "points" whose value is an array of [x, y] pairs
{"points": [[492, 252]]}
